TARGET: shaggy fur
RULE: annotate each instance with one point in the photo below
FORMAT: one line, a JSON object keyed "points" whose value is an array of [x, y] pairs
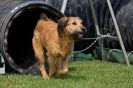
{"points": [[57, 41]]}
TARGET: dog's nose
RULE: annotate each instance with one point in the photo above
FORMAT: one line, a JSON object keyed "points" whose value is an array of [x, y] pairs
{"points": [[84, 29]]}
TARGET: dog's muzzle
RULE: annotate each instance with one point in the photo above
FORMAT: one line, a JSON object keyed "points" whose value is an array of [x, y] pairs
{"points": [[84, 30], [79, 36]]}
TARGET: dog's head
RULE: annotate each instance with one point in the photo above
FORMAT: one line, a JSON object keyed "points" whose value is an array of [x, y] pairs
{"points": [[71, 26]]}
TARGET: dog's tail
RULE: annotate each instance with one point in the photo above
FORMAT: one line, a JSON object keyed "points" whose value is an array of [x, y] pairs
{"points": [[43, 16]]}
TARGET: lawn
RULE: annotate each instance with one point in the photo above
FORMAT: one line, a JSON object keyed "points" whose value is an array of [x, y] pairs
{"points": [[82, 74]]}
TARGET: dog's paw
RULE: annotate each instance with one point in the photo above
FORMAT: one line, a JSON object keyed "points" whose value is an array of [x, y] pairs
{"points": [[61, 72], [45, 76]]}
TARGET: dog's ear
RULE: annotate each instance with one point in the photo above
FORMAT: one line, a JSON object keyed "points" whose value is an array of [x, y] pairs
{"points": [[62, 24], [43, 16]]}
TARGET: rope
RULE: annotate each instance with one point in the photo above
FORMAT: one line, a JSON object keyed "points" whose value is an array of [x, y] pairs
{"points": [[118, 50], [110, 52]]}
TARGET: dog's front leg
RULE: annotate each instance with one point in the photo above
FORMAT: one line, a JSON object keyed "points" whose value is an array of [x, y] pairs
{"points": [[58, 64], [52, 68], [64, 67]]}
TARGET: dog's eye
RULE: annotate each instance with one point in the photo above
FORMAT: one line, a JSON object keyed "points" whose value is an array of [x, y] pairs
{"points": [[74, 23]]}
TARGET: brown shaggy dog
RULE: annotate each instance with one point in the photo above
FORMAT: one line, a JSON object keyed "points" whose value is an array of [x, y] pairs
{"points": [[57, 41]]}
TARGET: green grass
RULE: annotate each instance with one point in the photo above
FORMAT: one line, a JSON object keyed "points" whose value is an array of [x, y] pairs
{"points": [[82, 74]]}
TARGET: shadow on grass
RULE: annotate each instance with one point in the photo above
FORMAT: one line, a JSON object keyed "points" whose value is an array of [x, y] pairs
{"points": [[71, 76], [72, 68]]}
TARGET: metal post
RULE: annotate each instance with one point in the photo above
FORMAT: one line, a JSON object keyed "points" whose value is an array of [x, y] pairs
{"points": [[48, 2], [118, 32], [2, 69], [97, 30], [63, 6]]}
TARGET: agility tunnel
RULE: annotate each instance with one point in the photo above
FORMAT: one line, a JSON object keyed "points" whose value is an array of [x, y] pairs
{"points": [[18, 19]]}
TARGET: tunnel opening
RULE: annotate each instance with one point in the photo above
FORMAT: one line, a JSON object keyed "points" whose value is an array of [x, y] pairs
{"points": [[18, 37]]}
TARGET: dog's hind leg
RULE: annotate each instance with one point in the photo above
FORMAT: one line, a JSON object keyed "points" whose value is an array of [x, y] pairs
{"points": [[39, 53]]}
